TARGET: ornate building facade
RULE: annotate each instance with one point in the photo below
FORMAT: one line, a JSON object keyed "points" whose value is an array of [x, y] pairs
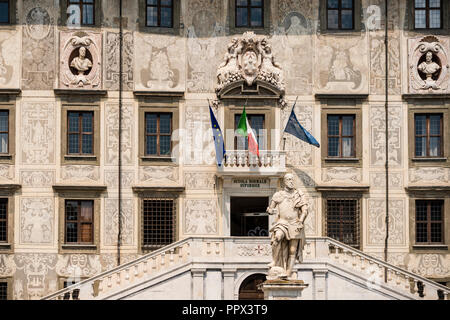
{"points": [[61, 105]]}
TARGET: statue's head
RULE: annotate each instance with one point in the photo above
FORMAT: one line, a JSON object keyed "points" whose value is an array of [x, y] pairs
{"points": [[429, 56], [288, 181], [82, 52]]}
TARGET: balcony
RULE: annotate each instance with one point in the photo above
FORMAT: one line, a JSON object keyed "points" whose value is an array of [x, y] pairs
{"points": [[241, 162]]}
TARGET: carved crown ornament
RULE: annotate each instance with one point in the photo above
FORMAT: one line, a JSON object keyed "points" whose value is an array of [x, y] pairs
{"points": [[249, 69], [429, 65], [80, 60]]}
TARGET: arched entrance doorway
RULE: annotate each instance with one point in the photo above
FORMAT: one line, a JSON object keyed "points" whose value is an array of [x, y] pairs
{"points": [[249, 287]]}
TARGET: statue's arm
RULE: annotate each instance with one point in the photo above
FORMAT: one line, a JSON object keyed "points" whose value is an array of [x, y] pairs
{"points": [[303, 213], [272, 208]]}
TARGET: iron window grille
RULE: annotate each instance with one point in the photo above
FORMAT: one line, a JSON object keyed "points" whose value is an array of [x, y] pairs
{"points": [[429, 221], [80, 133], [87, 11], [249, 13], [158, 222], [340, 14], [3, 291], [428, 135], [342, 220], [428, 14], [79, 221], [3, 220], [341, 136], [159, 13]]}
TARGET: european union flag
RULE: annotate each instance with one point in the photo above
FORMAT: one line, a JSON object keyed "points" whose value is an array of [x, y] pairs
{"points": [[295, 128], [218, 138]]}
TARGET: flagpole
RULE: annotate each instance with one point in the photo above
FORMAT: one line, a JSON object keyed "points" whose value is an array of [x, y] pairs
{"points": [[282, 134]]}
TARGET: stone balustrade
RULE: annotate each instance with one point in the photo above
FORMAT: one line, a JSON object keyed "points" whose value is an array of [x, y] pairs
{"points": [[270, 161]]}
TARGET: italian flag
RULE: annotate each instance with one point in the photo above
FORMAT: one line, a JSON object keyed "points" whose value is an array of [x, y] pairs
{"points": [[245, 130]]}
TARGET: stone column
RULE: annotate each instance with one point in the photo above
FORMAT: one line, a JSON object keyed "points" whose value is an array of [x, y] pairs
{"points": [[228, 283], [197, 281], [283, 289], [320, 284]]}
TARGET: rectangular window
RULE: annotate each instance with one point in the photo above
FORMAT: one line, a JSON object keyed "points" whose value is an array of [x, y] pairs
{"points": [[3, 291], [159, 13], [4, 11], [249, 13], [4, 131], [257, 123], [428, 135], [429, 221], [340, 14], [343, 220], [158, 134], [427, 14], [3, 220], [86, 9], [158, 222], [80, 133], [341, 136], [79, 221]]}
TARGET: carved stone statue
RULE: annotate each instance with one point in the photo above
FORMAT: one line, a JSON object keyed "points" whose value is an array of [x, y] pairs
{"points": [[81, 63], [429, 68], [287, 233]]}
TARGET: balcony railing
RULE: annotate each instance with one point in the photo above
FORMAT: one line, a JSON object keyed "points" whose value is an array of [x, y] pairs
{"points": [[242, 161]]}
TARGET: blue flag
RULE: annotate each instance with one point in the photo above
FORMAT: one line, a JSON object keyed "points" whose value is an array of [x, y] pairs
{"points": [[218, 138], [295, 128]]}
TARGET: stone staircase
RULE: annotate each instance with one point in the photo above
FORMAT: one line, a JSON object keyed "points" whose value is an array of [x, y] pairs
{"points": [[229, 258]]}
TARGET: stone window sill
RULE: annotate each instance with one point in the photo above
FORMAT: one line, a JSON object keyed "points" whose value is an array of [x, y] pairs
{"points": [[157, 159], [5, 246], [341, 159], [430, 247], [79, 247], [436, 159], [76, 157], [5, 156]]}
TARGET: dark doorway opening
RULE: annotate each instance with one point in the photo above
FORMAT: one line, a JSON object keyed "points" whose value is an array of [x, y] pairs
{"points": [[249, 287], [249, 217]]}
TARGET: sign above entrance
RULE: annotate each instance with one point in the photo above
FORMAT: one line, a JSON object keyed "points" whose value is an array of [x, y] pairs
{"points": [[251, 182]]}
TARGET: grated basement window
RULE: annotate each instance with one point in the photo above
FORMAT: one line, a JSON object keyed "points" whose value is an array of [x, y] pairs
{"points": [[342, 220], [3, 291], [158, 222]]}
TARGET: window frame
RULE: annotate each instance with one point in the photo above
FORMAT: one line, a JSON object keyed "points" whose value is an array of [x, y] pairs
{"points": [[428, 136], [5, 220], [12, 20], [78, 222], [81, 3], [445, 23], [339, 9], [9, 287], [249, 8], [81, 158], [158, 133], [9, 157], [8, 246], [428, 222], [98, 14], [358, 25], [341, 136], [80, 132], [176, 20], [249, 116], [147, 246], [266, 16], [158, 6], [427, 10]]}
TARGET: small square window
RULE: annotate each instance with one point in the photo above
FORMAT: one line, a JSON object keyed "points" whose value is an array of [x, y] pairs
{"points": [[249, 13], [427, 14], [86, 9], [159, 13], [5, 12], [340, 14]]}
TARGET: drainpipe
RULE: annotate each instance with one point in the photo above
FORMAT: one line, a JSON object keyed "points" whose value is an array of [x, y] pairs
{"points": [[119, 233], [386, 134]]}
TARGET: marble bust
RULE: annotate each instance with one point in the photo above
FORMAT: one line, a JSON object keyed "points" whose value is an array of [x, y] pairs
{"points": [[81, 63], [287, 233], [429, 67]]}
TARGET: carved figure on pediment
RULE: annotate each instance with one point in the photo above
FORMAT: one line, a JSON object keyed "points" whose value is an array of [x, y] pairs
{"points": [[228, 70]]}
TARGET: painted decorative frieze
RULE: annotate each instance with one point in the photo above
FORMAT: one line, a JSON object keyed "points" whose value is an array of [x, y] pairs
{"points": [[80, 60], [37, 178], [199, 181], [80, 173], [78, 265], [158, 174], [6, 172], [342, 174], [378, 180], [111, 221], [342, 66], [112, 61], [200, 216], [377, 136], [249, 58], [160, 63], [429, 175], [429, 69], [38, 45], [310, 221], [7, 265], [376, 222], [9, 59], [38, 133], [112, 133], [112, 179], [204, 43], [430, 265], [36, 220]]}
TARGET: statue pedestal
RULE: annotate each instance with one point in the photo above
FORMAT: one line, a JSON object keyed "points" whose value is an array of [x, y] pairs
{"points": [[283, 289]]}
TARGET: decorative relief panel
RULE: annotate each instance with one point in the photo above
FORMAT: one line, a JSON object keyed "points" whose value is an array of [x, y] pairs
{"points": [[342, 65], [112, 133], [108, 260], [199, 181], [200, 216], [38, 45], [37, 270], [429, 265], [160, 63], [7, 265], [378, 180], [305, 177], [37, 179], [377, 136], [310, 222], [112, 179], [80, 60], [6, 172], [158, 174], [344, 174], [9, 59], [205, 34], [254, 250], [80, 173], [36, 220], [376, 222], [293, 44], [395, 258], [429, 175], [112, 61], [298, 152], [111, 221], [78, 265], [38, 133], [429, 69]]}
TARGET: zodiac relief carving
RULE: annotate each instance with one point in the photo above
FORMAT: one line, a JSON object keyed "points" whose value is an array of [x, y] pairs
{"points": [[249, 58], [80, 60], [429, 66]]}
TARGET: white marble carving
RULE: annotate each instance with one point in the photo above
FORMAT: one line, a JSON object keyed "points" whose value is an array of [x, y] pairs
{"points": [[376, 222], [254, 250], [80, 173], [36, 220], [78, 265], [37, 178], [429, 175], [158, 174], [38, 133], [345, 174], [200, 216], [111, 221], [112, 133]]}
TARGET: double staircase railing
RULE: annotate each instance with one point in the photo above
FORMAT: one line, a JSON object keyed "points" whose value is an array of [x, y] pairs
{"points": [[246, 249]]}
